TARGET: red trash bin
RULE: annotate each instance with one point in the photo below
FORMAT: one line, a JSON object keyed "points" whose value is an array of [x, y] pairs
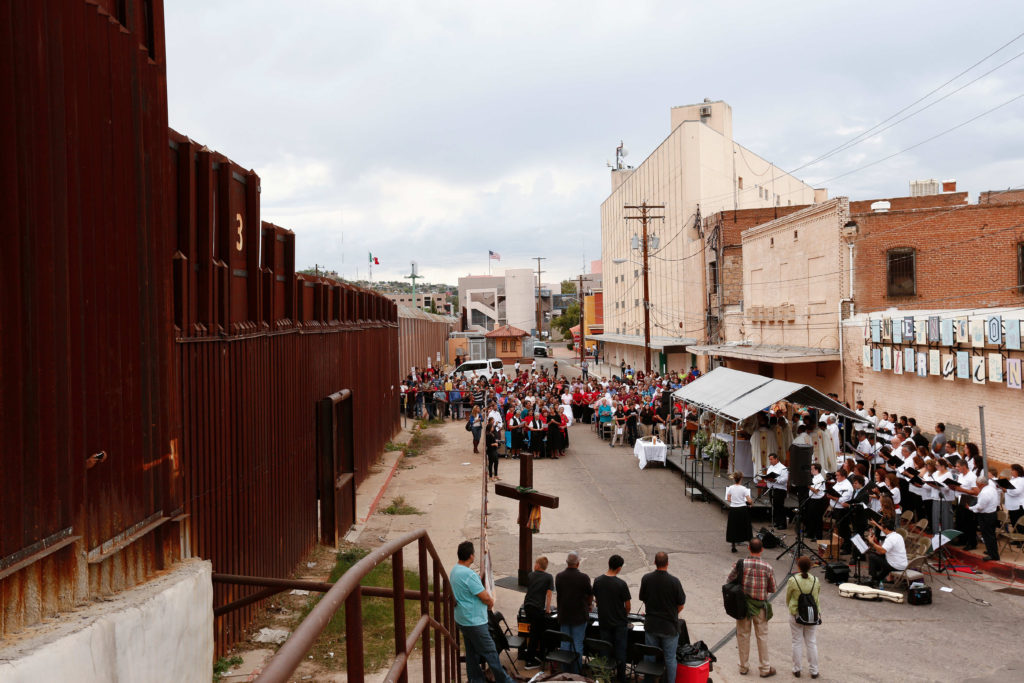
{"points": [[693, 672]]}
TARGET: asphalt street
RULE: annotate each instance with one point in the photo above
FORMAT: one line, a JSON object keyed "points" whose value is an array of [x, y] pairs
{"points": [[608, 505]]}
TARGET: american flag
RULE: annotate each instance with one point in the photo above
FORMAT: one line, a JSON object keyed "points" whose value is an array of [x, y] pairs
{"points": [[494, 255]]}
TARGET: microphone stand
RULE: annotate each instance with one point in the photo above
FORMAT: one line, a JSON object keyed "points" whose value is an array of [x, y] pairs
{"points": [[798, 547]]}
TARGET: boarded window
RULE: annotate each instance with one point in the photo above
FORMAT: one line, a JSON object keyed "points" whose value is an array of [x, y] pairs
{"points": [[901, 276], [713, 275], [1020, 268]]}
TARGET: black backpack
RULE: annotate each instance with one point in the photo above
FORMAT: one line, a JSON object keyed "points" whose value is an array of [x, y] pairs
{"points": [[806, 609], [733, 596]]}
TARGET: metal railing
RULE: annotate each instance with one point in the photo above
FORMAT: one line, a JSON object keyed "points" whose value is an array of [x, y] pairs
{"points": [[434, 596]]}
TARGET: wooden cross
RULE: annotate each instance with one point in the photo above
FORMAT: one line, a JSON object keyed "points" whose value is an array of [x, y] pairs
{"points": [[544, 500]]}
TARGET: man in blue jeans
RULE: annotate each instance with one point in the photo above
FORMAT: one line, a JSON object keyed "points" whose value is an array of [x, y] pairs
{"points": [[471, 603], [574, 593], [663, 596]]}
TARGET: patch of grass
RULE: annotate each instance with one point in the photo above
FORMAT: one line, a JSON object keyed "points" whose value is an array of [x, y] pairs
{"points": [[378, 617], [398, 507], [394, 446], [223, 665]]}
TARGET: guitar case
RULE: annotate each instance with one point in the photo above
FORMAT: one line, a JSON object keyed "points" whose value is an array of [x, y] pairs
{"points": [[858, 592]]}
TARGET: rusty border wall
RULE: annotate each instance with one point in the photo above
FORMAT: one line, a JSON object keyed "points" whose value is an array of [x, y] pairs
{"points": [[149, 315], [422, 336]]}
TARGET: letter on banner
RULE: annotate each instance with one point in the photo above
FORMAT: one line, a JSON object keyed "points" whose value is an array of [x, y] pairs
{"points": [[994, 330], [934, 362], [876, 331], [922, 364], [867, 356], [995, 367], [887, 358], [963, 365], [921, 332], [876, 359], [933, 328], [978, 369], [948, 366], [977, 333], [897, 361], [1013, 334], [946, 331], [962, 332], [908, 328], [908, 360], [1013, 373], [887, 328], [897, 332]]}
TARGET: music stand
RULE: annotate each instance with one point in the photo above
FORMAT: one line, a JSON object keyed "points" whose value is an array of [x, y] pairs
{"points": [[797, 546], [940, 554]]}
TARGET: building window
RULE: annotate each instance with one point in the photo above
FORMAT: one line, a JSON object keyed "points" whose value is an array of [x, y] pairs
{"points": [[901, 277], [796, 236], [504, 345], [636, 302], [740, 181], [771, 242], [636, 273], [1020, 268]]}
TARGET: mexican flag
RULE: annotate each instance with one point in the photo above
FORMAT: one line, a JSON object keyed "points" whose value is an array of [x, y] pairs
{"points": [[374, 261]]}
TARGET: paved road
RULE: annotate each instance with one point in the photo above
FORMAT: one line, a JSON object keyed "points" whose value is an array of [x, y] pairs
{"points": [[610, 506]]}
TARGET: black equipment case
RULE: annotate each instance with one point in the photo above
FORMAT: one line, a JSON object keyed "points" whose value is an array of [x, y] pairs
{"points": [[837, 572], [919, 596]]}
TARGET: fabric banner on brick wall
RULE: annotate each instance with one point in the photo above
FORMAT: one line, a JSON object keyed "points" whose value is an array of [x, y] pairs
{"points": [[978, 369], [1013, 373], [995, 367]]}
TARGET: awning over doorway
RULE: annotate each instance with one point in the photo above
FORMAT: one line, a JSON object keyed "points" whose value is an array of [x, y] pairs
{"points": [[766, 353], [737, 395]]}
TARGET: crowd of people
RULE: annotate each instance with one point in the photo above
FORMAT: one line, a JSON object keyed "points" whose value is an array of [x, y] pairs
{"points": [[886, 472], [573, 600]]}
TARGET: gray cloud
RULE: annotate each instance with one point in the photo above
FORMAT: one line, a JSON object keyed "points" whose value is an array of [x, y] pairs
{"points": [[436, 131]]}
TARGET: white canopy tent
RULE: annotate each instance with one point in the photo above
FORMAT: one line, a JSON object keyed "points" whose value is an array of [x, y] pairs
{"points": [[737, 395]]}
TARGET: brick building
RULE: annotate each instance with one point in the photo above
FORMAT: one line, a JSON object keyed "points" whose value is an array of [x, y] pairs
{"points": [[940, 293]]}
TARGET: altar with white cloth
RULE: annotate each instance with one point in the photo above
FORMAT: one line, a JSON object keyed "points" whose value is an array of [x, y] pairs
{"points": [[741, 458], [649, 449]]}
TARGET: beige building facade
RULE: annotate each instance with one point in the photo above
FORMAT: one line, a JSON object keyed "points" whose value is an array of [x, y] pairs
{"points": [[795, 282], [697, 170]]}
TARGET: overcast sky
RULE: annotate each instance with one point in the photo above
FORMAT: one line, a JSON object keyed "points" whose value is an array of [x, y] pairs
{"points": [[438, 130]]}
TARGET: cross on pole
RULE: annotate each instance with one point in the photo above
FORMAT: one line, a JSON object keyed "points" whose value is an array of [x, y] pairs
{"points": [[525, 499]]}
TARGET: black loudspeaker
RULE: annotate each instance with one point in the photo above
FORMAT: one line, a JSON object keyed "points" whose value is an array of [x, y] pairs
{"points": [[768, 539], [800, 464]]}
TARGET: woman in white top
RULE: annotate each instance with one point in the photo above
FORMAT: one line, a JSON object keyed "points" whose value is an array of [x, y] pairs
{"points": [[738, 529], [945, 496], [929, 495]]}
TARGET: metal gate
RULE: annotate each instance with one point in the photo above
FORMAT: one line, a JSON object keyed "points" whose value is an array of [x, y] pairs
{"points": [[336, 479], [477, 349]]}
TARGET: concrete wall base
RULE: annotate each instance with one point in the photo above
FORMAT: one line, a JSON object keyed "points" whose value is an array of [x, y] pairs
{"points": [[161, 630]]}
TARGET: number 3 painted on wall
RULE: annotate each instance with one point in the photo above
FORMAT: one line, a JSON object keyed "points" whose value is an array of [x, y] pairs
{"points": [[238, 220]]}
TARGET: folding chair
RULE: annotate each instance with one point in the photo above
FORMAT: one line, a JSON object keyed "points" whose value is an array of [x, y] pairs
{"points": [[515, 640], [921, 525], [556, 655], [912, 572], [906, 518], [1014, 536], [593, 647], [501, 641], [638, 664]]}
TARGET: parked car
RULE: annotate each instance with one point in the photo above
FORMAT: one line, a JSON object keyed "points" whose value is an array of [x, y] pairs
{"points": [[473, 369], [540, 349]]}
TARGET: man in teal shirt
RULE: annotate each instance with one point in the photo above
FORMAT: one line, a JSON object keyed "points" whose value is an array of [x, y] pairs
{"points": [[471, 603]]}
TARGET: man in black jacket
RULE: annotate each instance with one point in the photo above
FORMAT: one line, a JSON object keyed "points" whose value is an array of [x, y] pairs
{"points": [[612, 595], [664, 598], [574, 593]]}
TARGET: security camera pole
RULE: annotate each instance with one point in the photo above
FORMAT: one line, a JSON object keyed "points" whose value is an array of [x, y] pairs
{"points": [[644, 218]]}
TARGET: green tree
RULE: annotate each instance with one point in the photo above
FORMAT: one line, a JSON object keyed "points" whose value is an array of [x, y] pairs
{"points": [[567, 320], [568, 286]]}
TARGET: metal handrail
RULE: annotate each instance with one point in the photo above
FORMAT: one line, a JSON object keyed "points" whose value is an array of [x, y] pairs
{"points": [[348, 591]]}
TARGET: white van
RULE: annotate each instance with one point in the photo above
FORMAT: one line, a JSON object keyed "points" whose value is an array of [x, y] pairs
{"points": [[474, 369]]}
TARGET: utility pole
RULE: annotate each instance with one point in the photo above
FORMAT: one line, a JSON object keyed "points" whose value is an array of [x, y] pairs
{"points": [[583, 339], [414, 275], [644, 218], [538, 259]]}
